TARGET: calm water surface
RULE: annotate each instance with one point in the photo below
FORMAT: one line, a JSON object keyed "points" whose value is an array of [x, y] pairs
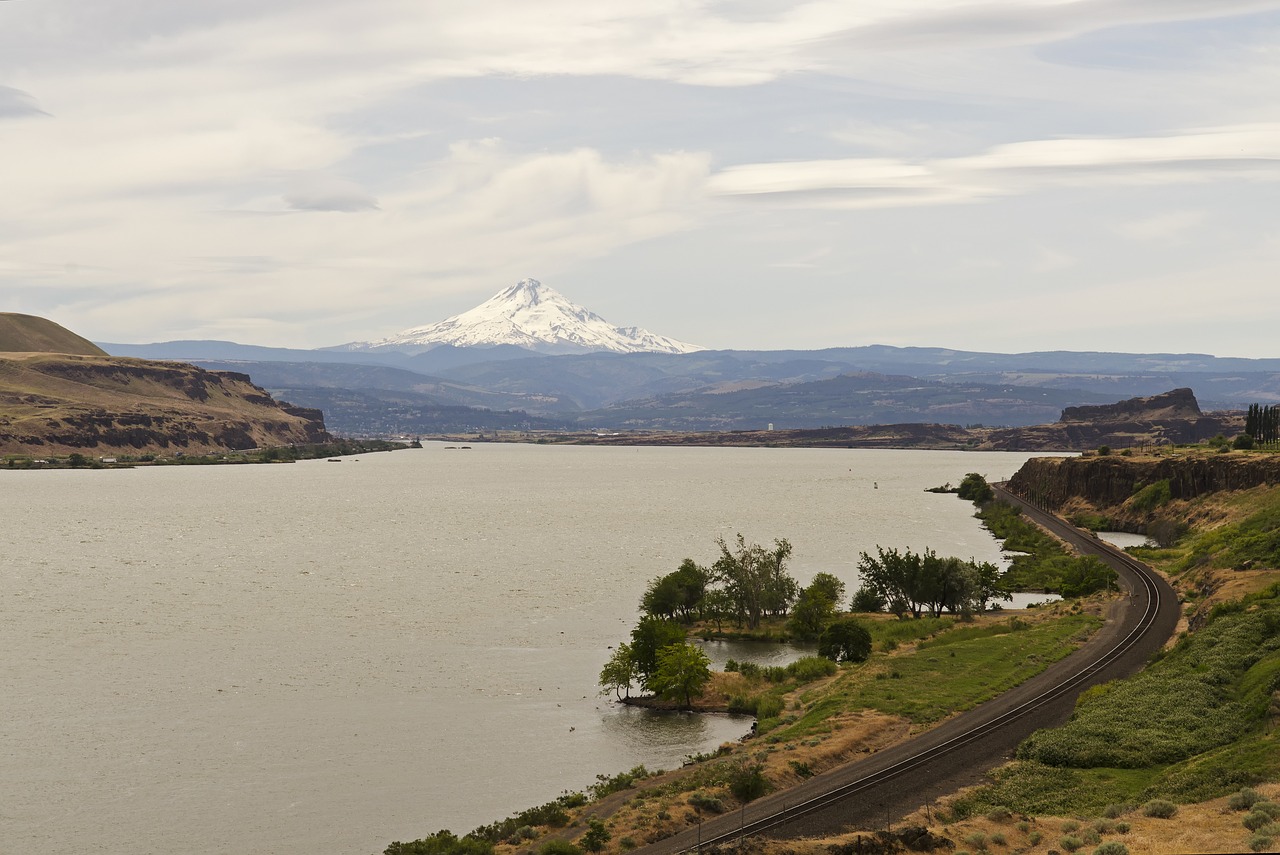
{"points": [[325, 657]]}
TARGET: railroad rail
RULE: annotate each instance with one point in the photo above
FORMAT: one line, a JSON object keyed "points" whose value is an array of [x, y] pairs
{"points": [[957, 751]]}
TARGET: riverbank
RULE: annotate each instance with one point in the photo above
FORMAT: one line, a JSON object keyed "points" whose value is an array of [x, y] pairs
{"points": [[281, 454]]}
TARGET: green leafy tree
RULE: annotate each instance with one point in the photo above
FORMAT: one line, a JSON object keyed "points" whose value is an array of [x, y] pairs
{"points": [[683, 670], [755, 579], [845, 640], [816, 606], [597, 835], [441, 843], [867, 599], [828, 585], [619, 672], [717, 607], [677, 594], [975, 488], [650, 635]]}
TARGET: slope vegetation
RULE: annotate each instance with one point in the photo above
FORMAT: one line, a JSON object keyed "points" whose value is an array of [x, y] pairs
{"points": [[30, 334], [57, 404]]}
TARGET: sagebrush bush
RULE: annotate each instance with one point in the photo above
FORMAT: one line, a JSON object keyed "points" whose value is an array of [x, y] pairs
{"points": [[1114, 811], [1000, 814], [710, 804], [1245, 799], [1255, 820], [1071, 844], [1261, 843], [1159, 809], [1271, 809], [1112, 847]]}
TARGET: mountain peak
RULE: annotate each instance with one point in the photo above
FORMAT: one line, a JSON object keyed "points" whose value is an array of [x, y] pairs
{"points": [[531, 315]]}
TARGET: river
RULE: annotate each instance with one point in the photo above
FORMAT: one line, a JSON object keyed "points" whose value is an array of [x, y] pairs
{"points": [[326, 657]]}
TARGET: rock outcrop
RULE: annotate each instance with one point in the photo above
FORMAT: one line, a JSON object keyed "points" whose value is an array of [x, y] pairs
{"points": [[1171, 418], [1111, 480], [1176, 404]]}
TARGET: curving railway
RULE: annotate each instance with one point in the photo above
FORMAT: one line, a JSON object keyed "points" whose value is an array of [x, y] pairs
{"points": [[871, 793]]}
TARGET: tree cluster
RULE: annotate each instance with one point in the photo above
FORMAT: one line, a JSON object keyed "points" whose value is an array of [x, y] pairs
{"points": [[1263, 423], [911, 583], [745, 584]]}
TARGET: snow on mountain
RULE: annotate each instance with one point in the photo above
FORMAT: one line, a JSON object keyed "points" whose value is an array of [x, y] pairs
{"points": [[530, 315]]}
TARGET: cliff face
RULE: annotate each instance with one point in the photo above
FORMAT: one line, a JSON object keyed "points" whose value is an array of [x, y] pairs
{"points": [[56, 404], [1110, 480]]}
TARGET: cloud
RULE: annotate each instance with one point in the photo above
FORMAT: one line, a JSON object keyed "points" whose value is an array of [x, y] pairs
{"points": [[328, 193], [1014, 169], [1165, 226], [14, 103]]}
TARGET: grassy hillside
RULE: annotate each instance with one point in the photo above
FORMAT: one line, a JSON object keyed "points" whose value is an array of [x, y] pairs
{"points": [[53, 404], [30, 334]]}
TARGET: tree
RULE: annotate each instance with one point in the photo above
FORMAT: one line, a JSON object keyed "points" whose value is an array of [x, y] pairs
{"points": [[683, 669], [597, 835], [619, 672], [828, 585], [816, 606], [845, 640], [650, 635], [679, 593], [867, 599], [975, 488], [755, 579]]}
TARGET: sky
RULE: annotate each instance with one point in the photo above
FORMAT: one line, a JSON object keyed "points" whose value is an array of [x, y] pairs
{"points": [[748, 174]]}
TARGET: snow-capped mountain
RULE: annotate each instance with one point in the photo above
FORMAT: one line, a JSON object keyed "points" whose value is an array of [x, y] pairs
{"points": [[530, 315]]}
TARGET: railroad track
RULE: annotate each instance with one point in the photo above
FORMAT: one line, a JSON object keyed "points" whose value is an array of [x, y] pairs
{"points": [[898, 779]]}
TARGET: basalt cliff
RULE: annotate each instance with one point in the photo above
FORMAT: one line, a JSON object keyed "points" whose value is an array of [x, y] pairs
{"points": [[76, 399]]}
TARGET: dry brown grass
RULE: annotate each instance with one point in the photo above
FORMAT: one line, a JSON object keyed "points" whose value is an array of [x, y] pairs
{"points": [[1206, 827]]}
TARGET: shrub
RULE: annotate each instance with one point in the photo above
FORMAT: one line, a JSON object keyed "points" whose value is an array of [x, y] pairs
{"points": [[1034, 838], [768, 706], [1255, 820], [1243, 441], [1261, 843], [845, 640], [999, 814], [1152, 496], [977, 840], [1122, 828], [710, 804], [811, 668], [1112, 847], [442, 843], [1091, 836], [627, 843], [1245, 799], [1271, 809], [1114, 811], [1071, 844], [559, 847], [1159, 809], [999, 839], [1070, 826]]}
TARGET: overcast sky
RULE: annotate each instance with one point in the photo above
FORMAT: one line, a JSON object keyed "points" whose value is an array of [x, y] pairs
{"points": [[1005, 176]]}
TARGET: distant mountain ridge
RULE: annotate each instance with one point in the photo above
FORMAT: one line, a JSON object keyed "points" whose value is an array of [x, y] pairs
{"points": [[533, 316]]}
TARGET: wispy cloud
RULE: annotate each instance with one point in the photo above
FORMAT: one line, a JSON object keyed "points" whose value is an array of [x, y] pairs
{"points": [[1014, 168]]}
